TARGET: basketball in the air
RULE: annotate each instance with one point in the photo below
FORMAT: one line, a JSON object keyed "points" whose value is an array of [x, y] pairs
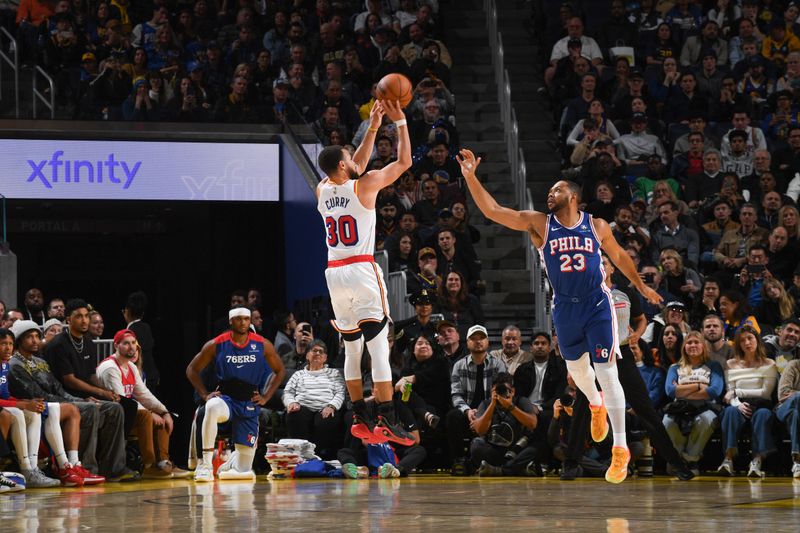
{"points": [[395, 87]]}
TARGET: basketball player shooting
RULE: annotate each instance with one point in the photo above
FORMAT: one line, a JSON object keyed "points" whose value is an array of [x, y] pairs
{"points": [[347, 205], [569, 242]]}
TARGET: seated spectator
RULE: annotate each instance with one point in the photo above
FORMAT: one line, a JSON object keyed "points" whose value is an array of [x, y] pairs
{"points": [[613, 88], [603, 165], [754, 274], [430, 89], [578, 107], [651, 275], [667, 349], [779, 43], [139, 106], [736, 312], [502, 421], [712, 231], [297, 358], [234, 107], [428, 373], [401, 255], [698, 187], [783, 347], [683, 103], [755, 137], [789, 219], [776, 305], [284, 324], [696, 45], [461, 222], [624, 226], [663, 191], [768, 214], [103, 446], [431, 203], [50, 330], [738, 160], [680, 280], [456, 303], [454, 256], [694, 386], [429, 65], [662, 47], [185, 106], [120, 375], [688, 164], [730, 253], [709, 77], [666, 83], [783, 258], [543, 377], [589, 48], [407, 458], [788, 410], [652, 376], [672, 234], [638, 143], [29, 419], [471, 382], [746, 32], [441, 163], [751, 378], [705, 303], [777, 124], [313, 398], [420, 324], [605, 204], [511, 353]]}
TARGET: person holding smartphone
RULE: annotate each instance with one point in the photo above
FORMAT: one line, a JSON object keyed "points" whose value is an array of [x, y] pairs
{"points": [[296, 359], [753, 274]]}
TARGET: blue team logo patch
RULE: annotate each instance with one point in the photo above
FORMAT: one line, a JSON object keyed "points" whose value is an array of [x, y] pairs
{"points": [[600, 352], [252, 346]]}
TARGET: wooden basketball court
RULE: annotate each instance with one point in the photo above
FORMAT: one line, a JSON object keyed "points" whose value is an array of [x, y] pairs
{"points": [[420, 503]]}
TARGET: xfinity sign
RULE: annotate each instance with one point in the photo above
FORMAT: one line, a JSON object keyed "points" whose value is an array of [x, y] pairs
{"points": [[132, 170]]}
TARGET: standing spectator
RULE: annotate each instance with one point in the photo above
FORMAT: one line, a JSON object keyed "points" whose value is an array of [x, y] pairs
{"points": [[133, 313], [313, 398], [471, 383], [751, 378], [512, 354], [694, 384]]}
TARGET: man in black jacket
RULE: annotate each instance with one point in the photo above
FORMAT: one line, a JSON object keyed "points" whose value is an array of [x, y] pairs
{"points": [[133, 313]]}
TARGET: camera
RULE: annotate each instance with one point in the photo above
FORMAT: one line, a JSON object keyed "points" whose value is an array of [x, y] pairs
{"points": [[516, 448], [567, 400], [502, 390]]}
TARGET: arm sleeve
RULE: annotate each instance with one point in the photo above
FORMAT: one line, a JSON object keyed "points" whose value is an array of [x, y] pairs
{"points": [[457, 391], [111, 378], [572, 138], [669, 383], [290, 390], [717, 384], [338, 389]]}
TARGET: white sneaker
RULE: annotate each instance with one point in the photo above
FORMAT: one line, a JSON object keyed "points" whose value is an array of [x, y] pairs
{"points": [[35, 479], [11, 482], [755, 469], [228, 464], [232, 473], [388, 470], [796, 470], [203, 473], [726, 468]]}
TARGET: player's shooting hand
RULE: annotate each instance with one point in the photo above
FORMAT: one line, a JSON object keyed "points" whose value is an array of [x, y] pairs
{"points": [[650, 295], [376, 115], [393, 110], [469, 164]]}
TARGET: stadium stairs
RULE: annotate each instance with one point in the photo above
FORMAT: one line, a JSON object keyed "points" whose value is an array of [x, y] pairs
{"points": [[508, 298]]}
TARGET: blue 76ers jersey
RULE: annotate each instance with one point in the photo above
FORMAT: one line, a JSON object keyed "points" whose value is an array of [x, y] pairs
{"points": [[571, 257], [245, 362]]}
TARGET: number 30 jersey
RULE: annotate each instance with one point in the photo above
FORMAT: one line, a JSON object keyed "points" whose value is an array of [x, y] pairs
{"points": [[571, 256], [349, 226]]}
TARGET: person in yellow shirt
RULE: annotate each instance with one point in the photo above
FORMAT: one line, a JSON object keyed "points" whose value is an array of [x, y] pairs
{"points": [[779, 43]]}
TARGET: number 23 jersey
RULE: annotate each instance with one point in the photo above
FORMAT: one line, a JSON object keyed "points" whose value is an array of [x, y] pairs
{"points": [[571, 257], [349, 226]]}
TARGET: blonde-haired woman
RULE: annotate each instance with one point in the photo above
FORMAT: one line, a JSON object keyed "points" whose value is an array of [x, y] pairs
{"points": [[679, 280], [776, 305], [695, 384], [662, 192], [789, 218], [751, 377]]}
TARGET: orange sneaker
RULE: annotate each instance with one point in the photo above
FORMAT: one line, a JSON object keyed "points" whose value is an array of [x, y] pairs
{"points": [[618, 470], [599, 422]]}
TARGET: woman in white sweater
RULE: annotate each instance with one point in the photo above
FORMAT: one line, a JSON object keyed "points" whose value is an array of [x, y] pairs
{"points": [[313, 398], [751, 379]]}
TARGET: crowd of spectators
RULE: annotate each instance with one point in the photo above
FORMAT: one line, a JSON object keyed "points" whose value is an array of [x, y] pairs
{"points": [[680, 121]]}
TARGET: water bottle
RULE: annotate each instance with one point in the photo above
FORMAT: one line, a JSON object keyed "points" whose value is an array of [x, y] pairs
{"points": [[406, 392]]}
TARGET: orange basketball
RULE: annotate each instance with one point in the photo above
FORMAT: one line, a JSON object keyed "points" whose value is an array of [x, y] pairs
{"points": [[395, 87]]}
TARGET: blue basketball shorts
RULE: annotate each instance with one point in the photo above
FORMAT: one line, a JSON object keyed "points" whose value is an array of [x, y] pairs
{"points": [[243, 421], [586, 324]]}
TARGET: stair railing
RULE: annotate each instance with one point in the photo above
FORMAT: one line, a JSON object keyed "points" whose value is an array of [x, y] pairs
{"points": [[522, 195], [12, 59]]}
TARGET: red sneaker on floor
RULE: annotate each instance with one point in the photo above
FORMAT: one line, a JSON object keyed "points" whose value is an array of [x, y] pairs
{"points": [[88, 477], [69, 476]]}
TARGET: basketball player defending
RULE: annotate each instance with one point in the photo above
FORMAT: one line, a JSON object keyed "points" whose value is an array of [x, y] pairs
{"points": [[347, 205], [243, 362], [569, 242]]}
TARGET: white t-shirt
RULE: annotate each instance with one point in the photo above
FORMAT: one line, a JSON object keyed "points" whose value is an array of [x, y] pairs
{"points": [[536, 395], [589, 49]]}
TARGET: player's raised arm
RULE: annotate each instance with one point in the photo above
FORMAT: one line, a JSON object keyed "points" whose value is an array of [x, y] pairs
{"points": [[510, 218], [622, 260], [376, 180], [364, 150]]}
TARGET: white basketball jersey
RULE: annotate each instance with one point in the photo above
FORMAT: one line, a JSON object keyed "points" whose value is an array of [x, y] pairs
{"points": [[349, 226]]}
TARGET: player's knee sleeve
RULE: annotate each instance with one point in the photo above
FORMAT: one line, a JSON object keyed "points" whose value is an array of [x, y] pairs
{"points": [[52, 428], [378, 347], [244, 457], [352, 357], [583, 376], [372, 329], [608, 377], [216, 412]]}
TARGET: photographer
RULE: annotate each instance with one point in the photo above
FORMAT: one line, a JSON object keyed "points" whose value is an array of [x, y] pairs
{"points": [[503, 422]]}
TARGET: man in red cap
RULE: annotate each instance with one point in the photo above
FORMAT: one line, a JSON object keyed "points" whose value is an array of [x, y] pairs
{"points": [[119, 374]]}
